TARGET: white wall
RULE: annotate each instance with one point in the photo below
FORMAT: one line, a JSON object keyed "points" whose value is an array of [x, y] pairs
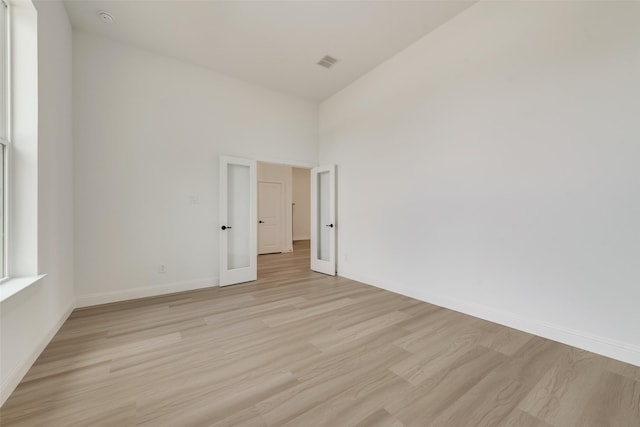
{"points": [[492, 167], [302, 204], [22, 215], [148, 131], [30, 318]]}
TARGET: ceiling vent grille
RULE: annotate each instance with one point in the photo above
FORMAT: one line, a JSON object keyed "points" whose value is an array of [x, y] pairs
{"points": [[327, 61]]}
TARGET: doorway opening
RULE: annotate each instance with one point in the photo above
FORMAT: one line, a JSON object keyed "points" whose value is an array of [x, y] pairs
{"points": [[284, 219], [239, 222]]}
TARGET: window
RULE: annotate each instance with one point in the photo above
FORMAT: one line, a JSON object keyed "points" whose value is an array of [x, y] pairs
{"points": [[4, 128]]}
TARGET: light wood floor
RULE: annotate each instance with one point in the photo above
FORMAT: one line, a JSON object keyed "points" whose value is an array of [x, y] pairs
{"points": [[298, 348]]}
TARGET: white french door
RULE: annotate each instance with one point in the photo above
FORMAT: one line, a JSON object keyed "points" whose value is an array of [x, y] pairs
{"points": [[237, 220], [323, 219]]}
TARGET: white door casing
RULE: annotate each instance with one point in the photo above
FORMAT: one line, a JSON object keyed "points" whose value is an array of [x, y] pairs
{"points": [[323, 219], [238, 220], [271, 204]]}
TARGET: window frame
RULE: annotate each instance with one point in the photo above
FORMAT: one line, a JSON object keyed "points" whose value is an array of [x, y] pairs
{"points": [[5, 140]]}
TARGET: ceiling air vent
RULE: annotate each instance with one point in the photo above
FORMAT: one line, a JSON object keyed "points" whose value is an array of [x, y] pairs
{"points": [[327, 61]]}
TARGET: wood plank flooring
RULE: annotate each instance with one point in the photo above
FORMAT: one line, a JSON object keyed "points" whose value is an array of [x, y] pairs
{"points": [[297, 348]]}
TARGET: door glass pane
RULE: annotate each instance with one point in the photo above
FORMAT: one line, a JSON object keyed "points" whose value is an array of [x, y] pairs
{"points": [[238, 238], [323, 216]]}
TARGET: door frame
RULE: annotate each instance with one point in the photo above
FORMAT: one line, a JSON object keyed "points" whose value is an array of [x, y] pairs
{"points": [[252, 162]]}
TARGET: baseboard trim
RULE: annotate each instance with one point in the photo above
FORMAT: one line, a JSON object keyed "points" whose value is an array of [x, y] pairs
{"points": [[296, 238], [143, 292], [606, 347], [12, 381]]}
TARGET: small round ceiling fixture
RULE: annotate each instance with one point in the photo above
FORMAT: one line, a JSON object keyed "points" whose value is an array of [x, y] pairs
{"points": [[105, 16]]}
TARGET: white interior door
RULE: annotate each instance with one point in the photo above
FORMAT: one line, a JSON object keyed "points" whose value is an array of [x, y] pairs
{"points": [[270, 216], [323, 219], [237, 220]]}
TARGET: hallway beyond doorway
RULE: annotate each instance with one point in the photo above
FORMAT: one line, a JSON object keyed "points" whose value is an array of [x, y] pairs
{"points": [[283, 264]]}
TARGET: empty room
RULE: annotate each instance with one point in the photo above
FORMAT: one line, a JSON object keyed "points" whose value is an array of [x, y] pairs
{"points": [[320, 213]]}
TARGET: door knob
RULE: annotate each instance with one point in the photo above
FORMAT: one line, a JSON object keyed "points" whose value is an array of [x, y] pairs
{"points": [[224, 227], [329, 225]]}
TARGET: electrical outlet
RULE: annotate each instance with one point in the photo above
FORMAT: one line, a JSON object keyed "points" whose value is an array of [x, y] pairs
{"points": [[162, 268]]}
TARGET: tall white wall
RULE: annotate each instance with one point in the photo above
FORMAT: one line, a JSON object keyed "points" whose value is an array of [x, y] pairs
{"points": [[148, 131], [30, 318], [302, 204], [493, 167]]}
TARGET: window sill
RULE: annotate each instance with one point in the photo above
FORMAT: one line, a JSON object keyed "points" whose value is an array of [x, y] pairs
{"points": [[15, 285]]}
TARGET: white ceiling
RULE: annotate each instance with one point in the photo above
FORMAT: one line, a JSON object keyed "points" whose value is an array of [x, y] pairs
{"points": [[271, 43]]}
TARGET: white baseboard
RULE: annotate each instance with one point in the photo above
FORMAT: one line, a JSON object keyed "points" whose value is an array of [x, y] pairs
{"points": [[604, 346], [143, 292], [14, 378], [296, 238]]}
